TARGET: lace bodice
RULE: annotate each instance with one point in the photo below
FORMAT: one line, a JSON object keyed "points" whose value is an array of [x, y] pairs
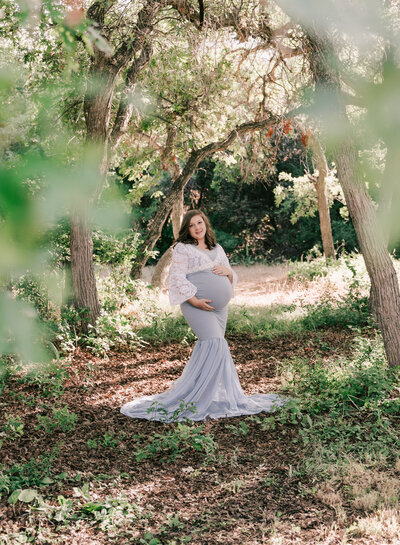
{"points": [[186, 259]]}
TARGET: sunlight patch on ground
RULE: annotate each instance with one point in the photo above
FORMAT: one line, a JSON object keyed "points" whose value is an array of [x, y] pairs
{"points": [[265, 285]]}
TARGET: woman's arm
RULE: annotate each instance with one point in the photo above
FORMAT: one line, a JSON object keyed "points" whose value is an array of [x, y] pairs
{"points": [[225, 269], [180, 289]]}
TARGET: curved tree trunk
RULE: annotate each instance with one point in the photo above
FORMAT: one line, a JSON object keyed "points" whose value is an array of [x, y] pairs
{"points": [[162, 268], [384, 282], [159, 278], [322, 197], [156, 225]]}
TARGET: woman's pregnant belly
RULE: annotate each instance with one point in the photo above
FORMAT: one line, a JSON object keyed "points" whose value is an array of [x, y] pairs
{"points": [[212, 286]]}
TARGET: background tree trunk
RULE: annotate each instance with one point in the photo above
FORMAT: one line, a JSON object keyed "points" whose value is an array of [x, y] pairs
{"points": [[82, 269], [384, 282], [322, 197], [162, 268], [103, 75]]}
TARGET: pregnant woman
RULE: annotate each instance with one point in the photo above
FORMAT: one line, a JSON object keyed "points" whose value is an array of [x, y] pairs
{"points": [[202, 281]]}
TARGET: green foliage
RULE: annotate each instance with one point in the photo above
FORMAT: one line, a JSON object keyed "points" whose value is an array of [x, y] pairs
{"points": [[242, 429], [299, 196], [106, 441], [170, 446], [49, 378], [346, 405], [113, 331], [115, 248], [30, 289], [12, 429], [174, 443], [67, 330], [309, 270], [61, 419], [108, 514], [167, 328], [34, 473]]}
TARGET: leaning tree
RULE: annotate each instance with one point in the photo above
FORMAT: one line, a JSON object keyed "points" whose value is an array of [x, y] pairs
{"points": [[346, 50], [122, 49]]}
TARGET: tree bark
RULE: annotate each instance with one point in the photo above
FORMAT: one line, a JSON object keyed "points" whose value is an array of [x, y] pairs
{"points": [[82, 269], [384, 282], [322, 197], [103, 75], [156, 225], [161, 271], [159, 278]]}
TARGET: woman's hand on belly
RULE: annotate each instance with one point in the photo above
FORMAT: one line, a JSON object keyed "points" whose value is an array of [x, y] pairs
{"points": [[221, 270], [202, 304]]}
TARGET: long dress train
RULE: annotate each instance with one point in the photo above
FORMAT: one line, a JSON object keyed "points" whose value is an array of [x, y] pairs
{"points": [[209, 386]]}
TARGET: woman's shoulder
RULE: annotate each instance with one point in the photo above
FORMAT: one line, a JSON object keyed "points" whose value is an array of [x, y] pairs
{"points": [[181, 248]]}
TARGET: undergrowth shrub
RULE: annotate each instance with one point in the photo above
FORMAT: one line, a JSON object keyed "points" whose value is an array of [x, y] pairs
{"points": [[60, 419], [348, 405], [176, 443], [351, 311], [113, 331], [184, 436], [309, 270], [33, 473], [48, 378], [166, 329], [32, 289]]}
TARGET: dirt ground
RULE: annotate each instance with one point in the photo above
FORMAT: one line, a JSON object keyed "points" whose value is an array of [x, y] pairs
{"points": [[250, 493]]}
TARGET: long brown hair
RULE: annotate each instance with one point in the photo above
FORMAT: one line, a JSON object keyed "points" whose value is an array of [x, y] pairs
{"points": [[185, 236]]}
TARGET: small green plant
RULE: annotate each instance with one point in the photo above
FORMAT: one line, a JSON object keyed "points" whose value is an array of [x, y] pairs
{"points": [[28, 475], [234, 486], [183, 412], [92, 443], [174, 522], [13, 428], [149, 539], [61, 419], [49, 379], [241, 429], [175, 443], [108, 440]]}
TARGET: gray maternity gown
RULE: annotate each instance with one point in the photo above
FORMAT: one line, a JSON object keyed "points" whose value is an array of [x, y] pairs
{"points": [[209, 384]]}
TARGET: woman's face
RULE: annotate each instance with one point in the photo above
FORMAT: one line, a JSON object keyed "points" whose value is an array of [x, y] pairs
{"points": [[197, 228]]}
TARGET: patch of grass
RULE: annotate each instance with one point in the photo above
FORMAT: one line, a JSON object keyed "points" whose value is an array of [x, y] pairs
{"points": [[167, 329], [279, 320], [346, 414]]}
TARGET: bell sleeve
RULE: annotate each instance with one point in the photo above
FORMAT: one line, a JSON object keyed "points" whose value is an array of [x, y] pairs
{"points": [[225, 262], [180, 289]]}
